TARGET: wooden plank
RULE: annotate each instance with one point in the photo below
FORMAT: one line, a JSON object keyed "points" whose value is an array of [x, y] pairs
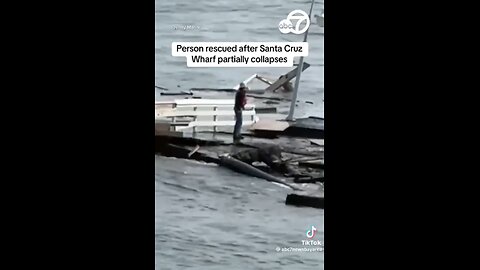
{"points": [[205, 102], [262, 79], [177, 113], [270, 98], [193, 151], [286, 78], [162, 121], [214, 89], [161, 88], [200, 103], [270, 125], [214, 123], [168, 133], [182, 93], [266, 110], [317, 141], [226, 107], [255, 91], [312, 163], [220, 123]]}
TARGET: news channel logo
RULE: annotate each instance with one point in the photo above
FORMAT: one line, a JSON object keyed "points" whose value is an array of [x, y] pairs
{"points": [[286, 26]]}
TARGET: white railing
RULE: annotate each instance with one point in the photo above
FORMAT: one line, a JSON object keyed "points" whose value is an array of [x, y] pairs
{"points": [[186, 113]]}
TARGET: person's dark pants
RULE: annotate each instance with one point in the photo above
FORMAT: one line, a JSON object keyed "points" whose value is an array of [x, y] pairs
{"points": [[238, 124]]}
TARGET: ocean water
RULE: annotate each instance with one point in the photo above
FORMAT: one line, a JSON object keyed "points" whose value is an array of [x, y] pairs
{"points": [[233, 21], [208, 217]]}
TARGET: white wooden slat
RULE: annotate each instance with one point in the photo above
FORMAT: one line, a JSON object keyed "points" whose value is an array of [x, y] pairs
{"points": [[195, 101], [225, 107], [213, 123], [201, 107], [173, 113], [199, 102]]}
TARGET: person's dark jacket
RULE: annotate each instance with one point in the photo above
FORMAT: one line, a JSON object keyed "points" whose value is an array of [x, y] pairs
{"points": [[240, 100]]}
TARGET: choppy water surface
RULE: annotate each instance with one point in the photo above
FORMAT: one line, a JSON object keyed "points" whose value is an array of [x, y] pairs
{"points": [[231, 21], [208, 217]]}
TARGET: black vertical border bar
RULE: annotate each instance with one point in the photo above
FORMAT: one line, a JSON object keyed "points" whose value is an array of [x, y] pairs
{"points": [[89, 143]]}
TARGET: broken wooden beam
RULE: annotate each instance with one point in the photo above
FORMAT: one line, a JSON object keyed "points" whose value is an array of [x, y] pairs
{"points": [[319, 142], [266, 110], [242, 167], [229, 90], [269, 102], [303, 180], [161, 88], [193, 151], [213, 89], [270, 98], [182, 93], [264, 80], [312, 164], [286, 78], [172, 150]]}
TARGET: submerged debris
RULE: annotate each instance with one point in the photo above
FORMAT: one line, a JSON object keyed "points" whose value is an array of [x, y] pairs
{"points": [[285, 152], [305, 200], [161, 88]]}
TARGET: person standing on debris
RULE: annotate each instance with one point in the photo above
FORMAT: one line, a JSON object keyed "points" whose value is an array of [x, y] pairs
{"points": [[240, 101]]}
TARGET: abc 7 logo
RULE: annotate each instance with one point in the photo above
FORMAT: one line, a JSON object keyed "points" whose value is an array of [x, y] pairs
{"points": [[286, 26]]}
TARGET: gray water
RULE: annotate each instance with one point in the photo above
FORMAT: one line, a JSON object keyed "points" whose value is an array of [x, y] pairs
{"points": [[208, 217], [233, 21]]}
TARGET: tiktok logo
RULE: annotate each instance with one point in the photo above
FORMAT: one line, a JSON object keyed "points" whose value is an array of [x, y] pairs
{"points": [[311, 232]]}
